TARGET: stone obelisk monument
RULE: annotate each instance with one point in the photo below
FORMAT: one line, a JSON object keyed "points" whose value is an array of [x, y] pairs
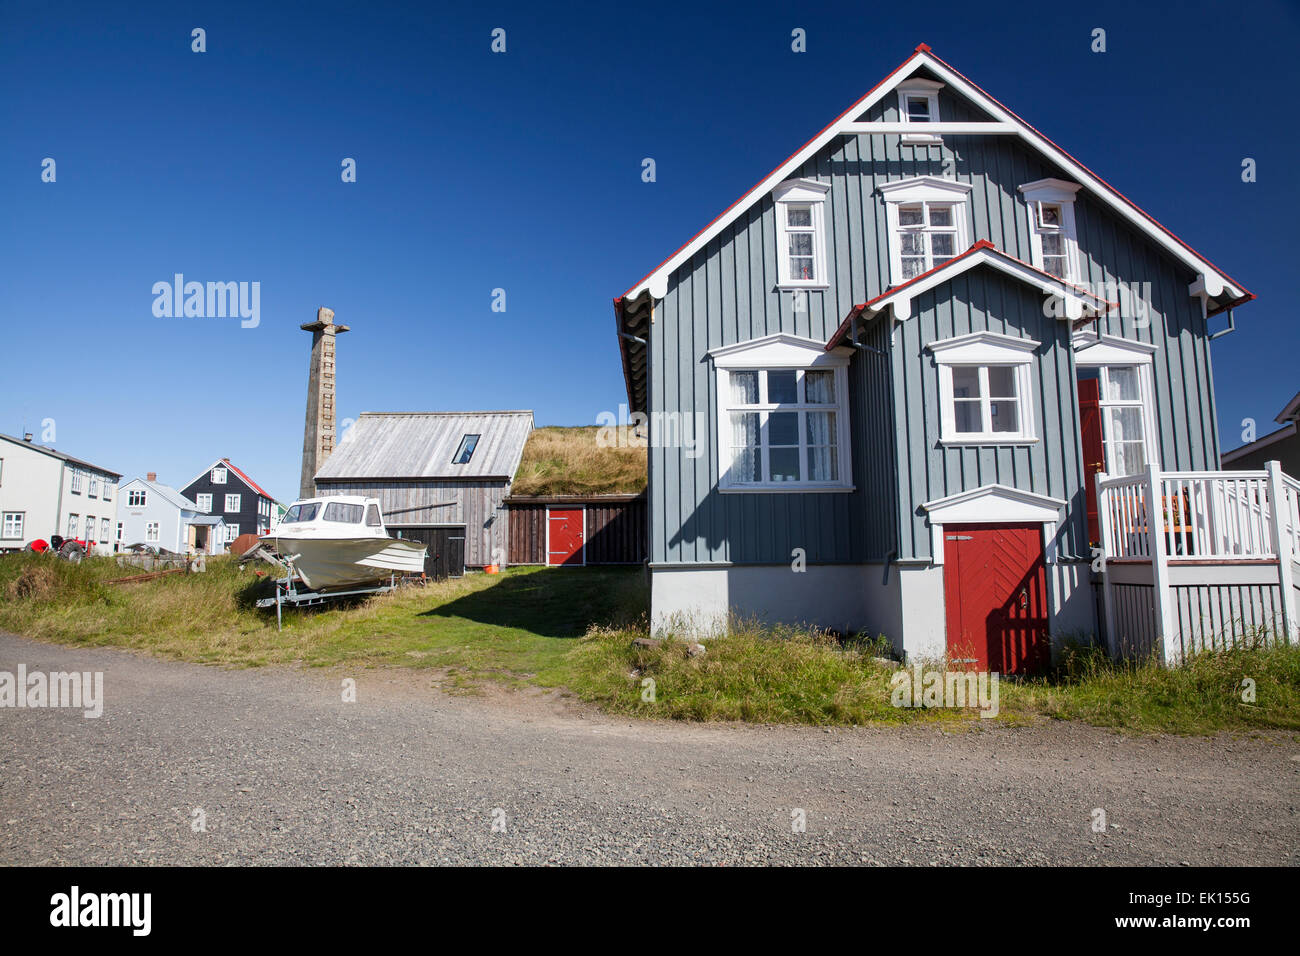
{"points": [[318, 434]]}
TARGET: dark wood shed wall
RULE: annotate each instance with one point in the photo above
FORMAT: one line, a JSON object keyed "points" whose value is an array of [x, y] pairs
{"points": [[616, 531]]}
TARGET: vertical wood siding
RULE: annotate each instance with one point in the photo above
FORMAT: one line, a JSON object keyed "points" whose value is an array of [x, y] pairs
{"points": [[617, 532], [478, 505], [727, 293]]}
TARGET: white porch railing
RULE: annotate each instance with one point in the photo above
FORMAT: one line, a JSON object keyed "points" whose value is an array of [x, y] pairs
{"points": [[1212, 519]]}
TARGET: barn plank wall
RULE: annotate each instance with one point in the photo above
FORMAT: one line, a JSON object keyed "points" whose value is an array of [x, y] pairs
{"points": [[478, 505], [727, 293], [616, 532]]}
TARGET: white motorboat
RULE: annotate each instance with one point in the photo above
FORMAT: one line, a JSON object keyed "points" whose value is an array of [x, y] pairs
{"points": [[340, 540]]}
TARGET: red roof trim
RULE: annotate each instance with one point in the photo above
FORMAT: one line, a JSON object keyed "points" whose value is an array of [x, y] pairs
{"points": [[248, 481], [750, 191], [1136, 208]]}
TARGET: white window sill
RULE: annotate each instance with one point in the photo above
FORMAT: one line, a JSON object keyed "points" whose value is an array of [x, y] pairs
{"points": [[922, 139], [988, 440], [785, 488], [788, 285]]}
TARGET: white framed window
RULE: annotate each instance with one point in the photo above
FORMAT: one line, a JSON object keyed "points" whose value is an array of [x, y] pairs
{"points": [[204, 501], [782, 416], [72, 525], [918, 104], [77, 481], [135, 498], [1126, 398], [94, 487], [151, 531], [103, 530], [1053, 238], [119, 531], [109, 488], [928, 224], [232, 532], [801, 233], [985, 389], [232, 503], [12, 527], [89, 535], [218, 476]]}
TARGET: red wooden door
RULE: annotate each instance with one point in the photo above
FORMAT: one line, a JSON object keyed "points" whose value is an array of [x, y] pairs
{"points": [[995, 591], [1094, 455], [564, 535]]}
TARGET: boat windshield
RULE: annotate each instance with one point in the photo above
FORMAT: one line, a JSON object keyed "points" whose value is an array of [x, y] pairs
{"points": [[372, 517], [344, 513], [304, 512]]}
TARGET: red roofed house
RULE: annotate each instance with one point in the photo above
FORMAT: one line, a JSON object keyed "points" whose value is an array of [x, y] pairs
{"points": [[934, 378], [223, 489]]}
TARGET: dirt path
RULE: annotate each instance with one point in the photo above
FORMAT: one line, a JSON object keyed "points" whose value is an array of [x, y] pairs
{"points": [[286, 772]]}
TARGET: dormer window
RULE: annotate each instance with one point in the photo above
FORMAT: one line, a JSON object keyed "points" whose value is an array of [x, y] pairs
{"points": [[801, 233], [218, 476], [918, 104], [928, 224], [1053, 243], [466, 450]]}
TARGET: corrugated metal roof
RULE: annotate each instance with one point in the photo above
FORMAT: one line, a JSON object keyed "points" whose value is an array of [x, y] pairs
{"points": [[416, 445]]}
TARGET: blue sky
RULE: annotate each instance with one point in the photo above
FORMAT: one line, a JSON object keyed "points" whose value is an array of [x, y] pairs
{"points": [[521, 171]]}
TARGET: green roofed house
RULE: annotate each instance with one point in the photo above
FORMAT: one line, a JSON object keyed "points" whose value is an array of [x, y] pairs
{"points": [[952, 387]]}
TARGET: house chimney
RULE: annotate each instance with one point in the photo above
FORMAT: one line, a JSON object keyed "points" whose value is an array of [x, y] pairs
{"points": [[27, 436], [152, 476], [318, 433]]}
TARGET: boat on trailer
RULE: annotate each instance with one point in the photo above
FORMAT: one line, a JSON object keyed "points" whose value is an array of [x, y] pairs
{"points": [[338, 541]]}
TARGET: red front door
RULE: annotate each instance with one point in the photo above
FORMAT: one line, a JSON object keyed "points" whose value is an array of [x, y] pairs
{"points": [[995, 590], [1094, 457], [564, 536]]}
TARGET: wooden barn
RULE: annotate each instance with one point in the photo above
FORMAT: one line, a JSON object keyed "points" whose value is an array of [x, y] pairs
{"points": [[440, 477], [575, 502]]}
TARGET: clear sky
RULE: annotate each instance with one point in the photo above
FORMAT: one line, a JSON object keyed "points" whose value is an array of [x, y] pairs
{"points": [[522, 171]]}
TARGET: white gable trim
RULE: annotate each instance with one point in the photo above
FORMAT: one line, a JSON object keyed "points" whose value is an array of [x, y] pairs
{"points": [[1210, 280], [992, 504], [801, 190], [980, 348], [1093, 349], [1077, 303], [925, 189], [781, 350]]}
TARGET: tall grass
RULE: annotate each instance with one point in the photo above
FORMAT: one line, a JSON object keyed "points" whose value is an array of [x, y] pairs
{"points": [[567, 461]]}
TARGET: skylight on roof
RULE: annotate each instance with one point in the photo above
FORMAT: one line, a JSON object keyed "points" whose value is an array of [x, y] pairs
{"points": [[466, 450]]}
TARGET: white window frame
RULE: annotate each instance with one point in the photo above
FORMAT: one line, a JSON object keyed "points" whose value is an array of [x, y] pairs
{"points": [[104, 524], [152, 531], [219, 475], [801, 192], [232, 532], [917, 88], [982, 350], [119, 530], [232, 504], [137, 498], [12, 525], [1053, 192], [109, 487], [925, 191], [204, 500], [782, 352], [1103, 351], [76, 481], [93, 490]]}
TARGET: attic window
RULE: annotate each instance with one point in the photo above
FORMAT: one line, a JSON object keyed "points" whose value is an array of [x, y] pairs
{"points": [[218, 476], [801, 233], [466, 450], [1053, 245], [918, 103]]}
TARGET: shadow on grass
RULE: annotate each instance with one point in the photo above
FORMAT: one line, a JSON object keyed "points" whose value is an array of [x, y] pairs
{"points": [[551, 602]]}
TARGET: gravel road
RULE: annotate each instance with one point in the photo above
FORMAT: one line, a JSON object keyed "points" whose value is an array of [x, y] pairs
{"points": [[286, 772]]}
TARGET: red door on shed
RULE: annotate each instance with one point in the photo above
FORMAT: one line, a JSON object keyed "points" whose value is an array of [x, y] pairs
{"points": [[995, 591], [1094, 457], [564, 537]]}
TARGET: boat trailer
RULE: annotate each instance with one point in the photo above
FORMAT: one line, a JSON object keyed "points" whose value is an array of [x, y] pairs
{"points": [[288, 593]]}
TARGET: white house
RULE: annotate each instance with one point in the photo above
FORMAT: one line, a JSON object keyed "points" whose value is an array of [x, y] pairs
{"points": [[160, 516], [44, 492]]}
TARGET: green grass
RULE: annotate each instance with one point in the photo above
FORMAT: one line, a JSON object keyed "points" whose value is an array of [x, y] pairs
{"points": [[572, 629], [568, 461]]}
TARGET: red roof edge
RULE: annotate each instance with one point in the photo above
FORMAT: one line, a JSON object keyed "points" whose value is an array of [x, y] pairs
{"points": [[751, 189], [248, 481]]}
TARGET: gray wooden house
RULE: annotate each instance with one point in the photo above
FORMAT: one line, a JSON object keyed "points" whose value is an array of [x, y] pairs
{"points": [[440, 477], [939, 371]]}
